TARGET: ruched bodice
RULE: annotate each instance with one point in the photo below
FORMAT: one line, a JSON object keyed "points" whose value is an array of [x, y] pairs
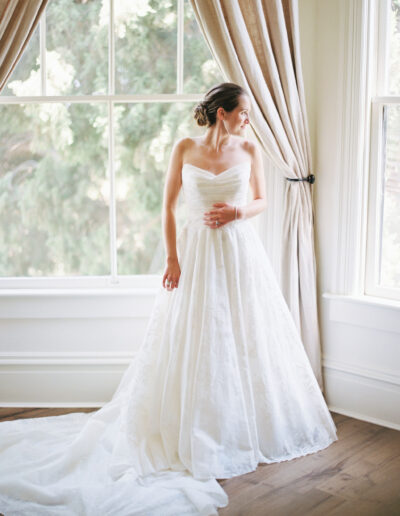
{"points": [[202, 188]]}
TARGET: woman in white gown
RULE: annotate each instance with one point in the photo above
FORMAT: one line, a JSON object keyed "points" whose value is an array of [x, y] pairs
{"points": [[221, 381]]}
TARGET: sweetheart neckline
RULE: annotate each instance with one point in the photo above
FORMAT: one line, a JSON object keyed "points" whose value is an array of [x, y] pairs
{"points": [[220, 173]]}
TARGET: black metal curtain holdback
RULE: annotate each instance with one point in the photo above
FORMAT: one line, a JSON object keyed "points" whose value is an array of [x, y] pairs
{"points": [[310, 179]]}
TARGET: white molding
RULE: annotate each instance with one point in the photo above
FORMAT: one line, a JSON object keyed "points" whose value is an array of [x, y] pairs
{"points": [[361, 357], [383, 14], [112, 219], [375, 375], [83, 359], [386, 100], [355, 394], [76, 304], [180, 46], [376, 169], [364, 311], [355, 22], [65, 359], [50, 404], [70, 283], [363, 417], [367, 300], [84, 99], [89, 380], [376, 197], [111, 49]]}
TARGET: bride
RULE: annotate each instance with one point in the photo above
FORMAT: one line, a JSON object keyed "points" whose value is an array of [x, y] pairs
{"points": [[221, 381]]}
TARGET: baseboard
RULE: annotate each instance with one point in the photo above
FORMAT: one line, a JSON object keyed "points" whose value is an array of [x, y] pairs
{"points": [[363, 393], [90, 380]]}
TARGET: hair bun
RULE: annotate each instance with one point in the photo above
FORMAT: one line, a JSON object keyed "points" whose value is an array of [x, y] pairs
{"points": [[200, 113], [225, 95]]}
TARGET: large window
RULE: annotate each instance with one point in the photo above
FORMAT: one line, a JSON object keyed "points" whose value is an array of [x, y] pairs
{"points": [[87, 123], [383, 249]]}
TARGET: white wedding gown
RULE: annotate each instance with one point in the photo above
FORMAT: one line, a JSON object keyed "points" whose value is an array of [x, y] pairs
{"points": [[220, 384]]}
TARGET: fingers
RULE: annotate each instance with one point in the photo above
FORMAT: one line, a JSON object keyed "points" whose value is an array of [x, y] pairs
{"points": [[211, 224], [169, 283], [210, 220]]}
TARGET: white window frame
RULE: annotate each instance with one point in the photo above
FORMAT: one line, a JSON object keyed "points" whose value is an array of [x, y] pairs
{"points": [[113, 280], [378, 102]]}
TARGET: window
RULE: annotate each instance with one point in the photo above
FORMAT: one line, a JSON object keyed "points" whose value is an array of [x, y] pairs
{"points": [[87, 123], [383, 239]]}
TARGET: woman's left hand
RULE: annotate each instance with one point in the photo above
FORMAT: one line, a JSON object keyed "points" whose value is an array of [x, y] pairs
{"points": [[223, 213]]}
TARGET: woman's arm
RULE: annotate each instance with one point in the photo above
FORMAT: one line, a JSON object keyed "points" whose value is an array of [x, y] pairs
{"points": [[257, 183], [172, 186]]}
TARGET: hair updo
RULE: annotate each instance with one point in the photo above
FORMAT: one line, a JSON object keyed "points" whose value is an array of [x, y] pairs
{"points": [[225, 95]]}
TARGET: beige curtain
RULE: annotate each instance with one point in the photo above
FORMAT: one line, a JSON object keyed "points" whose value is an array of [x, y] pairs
{"points": [[256, 44], [18, 20]]}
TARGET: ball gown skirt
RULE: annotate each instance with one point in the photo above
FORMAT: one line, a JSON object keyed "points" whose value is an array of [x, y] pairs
{"points": [[220, 383]]}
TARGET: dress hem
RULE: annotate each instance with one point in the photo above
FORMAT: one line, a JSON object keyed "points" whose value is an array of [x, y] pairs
{"points": [[254, 466]]}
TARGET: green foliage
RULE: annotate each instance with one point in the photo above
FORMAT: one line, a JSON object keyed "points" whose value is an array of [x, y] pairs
{"points": [[54, 172]]}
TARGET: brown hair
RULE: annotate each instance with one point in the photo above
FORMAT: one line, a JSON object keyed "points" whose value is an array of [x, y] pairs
{"points": [[225, 95]]}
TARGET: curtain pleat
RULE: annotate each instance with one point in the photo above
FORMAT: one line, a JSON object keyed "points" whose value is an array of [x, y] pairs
{"points": [[18, 21]]}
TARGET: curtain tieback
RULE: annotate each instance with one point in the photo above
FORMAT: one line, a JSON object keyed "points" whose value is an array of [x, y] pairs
{"points": [[310, 179]]}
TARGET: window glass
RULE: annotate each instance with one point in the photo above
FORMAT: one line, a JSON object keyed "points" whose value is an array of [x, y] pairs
{"points": [[54, 190], [145, 134], [390, 202], [77, 47]]}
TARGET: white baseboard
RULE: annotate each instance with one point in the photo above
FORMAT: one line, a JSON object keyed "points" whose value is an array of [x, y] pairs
{"points": [[363, 417], [366, 394], [89, 380]]}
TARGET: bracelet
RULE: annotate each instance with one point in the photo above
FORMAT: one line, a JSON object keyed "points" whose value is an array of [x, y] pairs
{"points": [[235, 212]]}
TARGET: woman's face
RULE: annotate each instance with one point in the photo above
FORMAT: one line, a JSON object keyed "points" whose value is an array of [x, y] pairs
{"points": [[237, 120]]}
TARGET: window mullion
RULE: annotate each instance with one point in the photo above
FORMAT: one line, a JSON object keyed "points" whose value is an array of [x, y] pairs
{"points": [[111, 169], [42, 53], [180, 49], [111, 51], [383, 13], [112, 201]]}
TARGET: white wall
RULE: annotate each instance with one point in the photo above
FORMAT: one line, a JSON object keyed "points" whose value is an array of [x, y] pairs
{"points": [[360, 335], [71, 350]]}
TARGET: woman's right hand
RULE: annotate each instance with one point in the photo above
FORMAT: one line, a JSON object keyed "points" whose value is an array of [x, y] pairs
{"points": [[172, 274]]}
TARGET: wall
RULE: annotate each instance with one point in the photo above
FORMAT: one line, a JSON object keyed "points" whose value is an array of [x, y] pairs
{"points": [[360, 335], [66, 348]]}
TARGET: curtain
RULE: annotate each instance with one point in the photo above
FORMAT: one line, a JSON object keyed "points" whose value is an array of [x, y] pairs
{"points": [[256, 44], [18, 21]]}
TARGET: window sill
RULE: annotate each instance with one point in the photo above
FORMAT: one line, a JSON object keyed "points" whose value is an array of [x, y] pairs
{"points": [[365, 311]]}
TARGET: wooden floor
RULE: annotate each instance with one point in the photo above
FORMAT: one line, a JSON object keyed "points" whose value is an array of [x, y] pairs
{"points": [[358, 475]]}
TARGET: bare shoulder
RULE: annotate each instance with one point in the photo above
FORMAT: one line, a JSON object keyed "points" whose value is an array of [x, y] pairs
{"points": [[185, 144], [187, 140], [253, 149], [180, 149]]}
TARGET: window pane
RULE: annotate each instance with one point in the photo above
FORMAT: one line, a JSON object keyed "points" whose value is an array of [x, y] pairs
{"points": [[394, 49], [390, 250], [200, 69], [77, 47], [144, 136], [25, 78], [53, 190], [145, 46]]}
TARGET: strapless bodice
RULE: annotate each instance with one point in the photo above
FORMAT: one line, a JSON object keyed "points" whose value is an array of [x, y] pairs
{"points": [[202, 188]]}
